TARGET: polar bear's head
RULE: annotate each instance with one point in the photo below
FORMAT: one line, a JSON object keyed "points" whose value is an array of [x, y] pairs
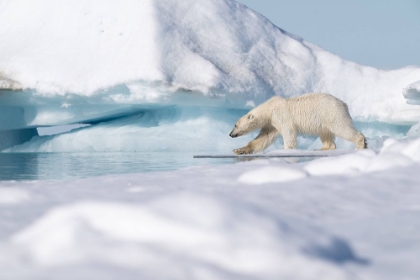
{"points": [[245, 125]]}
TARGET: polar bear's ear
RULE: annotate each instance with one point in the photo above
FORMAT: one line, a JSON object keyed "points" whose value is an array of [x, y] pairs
{"points": [[250, 117]]}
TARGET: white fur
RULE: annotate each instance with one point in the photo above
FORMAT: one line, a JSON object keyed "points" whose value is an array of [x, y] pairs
{"points": [[318, 114]]}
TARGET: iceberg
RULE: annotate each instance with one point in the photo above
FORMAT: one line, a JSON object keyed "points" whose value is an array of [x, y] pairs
{"points": [[110, 63], [412, 93], [7, 84]]}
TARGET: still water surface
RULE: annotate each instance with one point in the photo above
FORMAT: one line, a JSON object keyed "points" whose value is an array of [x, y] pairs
{"points": [[63, 166]]}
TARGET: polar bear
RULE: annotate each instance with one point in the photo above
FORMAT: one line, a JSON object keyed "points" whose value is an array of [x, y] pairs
{"points": [[318, 114]]}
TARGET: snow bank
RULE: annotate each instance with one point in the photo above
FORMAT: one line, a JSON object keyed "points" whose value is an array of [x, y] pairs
{"points": [[340, 165], [393, 154], [149, 51], [203, 222], [78, 47], [409, 148], [412, 93], [7, 84], [270, 174], [12, 195], [414, 131], [181, 236]]}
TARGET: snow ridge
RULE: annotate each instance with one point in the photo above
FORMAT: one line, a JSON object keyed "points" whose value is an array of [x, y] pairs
{"points": [[218, 48]]}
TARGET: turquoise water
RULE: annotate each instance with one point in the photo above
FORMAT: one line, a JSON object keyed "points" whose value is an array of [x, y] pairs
{"points": [[64, 166]]}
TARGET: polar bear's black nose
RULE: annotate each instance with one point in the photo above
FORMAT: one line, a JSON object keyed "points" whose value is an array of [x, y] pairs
{"points": [[233, 135]]}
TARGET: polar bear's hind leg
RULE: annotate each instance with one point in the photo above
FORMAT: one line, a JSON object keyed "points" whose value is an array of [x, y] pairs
{"points": [[360, 141], [349, 133], [327, 139]]}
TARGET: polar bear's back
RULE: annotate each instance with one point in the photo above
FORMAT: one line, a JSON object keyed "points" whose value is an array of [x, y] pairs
{"points": [[316, 113]]}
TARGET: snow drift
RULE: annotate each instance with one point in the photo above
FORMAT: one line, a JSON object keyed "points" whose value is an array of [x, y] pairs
{"points": [[184, 234], [90, 61], [412, 93], [353, 216]]}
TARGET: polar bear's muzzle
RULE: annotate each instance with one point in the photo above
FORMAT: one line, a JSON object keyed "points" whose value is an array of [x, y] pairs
{"points": [[234, 134]]}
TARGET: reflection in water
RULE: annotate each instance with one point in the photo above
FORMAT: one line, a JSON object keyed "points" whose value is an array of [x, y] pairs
{"points": [[62, 166], [283, 159], [18, 166]]}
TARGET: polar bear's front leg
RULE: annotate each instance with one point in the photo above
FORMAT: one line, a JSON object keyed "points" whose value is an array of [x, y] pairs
{"points": [[244, 150], [264, 139], [289, 138], [287, 129]]}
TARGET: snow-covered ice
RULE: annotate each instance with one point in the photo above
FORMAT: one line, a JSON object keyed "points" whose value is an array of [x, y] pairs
{"points": [[12, 195], [7, 84], [263, 219], [271, 174], [412, 93], [173, 76]]}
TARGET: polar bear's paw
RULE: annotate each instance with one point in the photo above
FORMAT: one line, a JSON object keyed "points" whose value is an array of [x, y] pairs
{"points": [[243, 151]]}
